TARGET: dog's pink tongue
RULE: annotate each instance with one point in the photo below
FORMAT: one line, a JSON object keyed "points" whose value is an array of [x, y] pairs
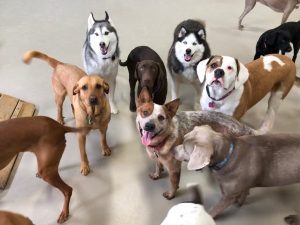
{"points": [[146, 140], [187, 57]]}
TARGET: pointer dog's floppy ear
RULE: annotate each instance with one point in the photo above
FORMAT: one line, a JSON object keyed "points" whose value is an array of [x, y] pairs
{"points": [[242, 74]]}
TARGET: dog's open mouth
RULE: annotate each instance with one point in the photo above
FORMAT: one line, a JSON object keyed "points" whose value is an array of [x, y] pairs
{"points": [[104, 50], [147, 137], [218, 83], [187, 57]]}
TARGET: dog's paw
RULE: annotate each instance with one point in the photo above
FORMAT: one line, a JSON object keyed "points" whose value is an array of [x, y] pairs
{"points": [[63, 217], [168, 195], [292, 220], [106, 151], [113, 108], [154, 176], [132, 107], [84, 169], [61, 120]]}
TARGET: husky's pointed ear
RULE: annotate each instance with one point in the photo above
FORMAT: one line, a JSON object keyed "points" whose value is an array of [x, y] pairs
{"points": [[144, 96], [182, 32], [76, 89], [200, 157], [201, 69], [201, 34], [172, 107], [91, 21], [108, 19], [242, 74]]}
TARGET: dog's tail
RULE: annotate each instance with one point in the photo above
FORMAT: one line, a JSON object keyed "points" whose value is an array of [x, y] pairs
{"points": [[76, 129], [123, 63], [35, 54]]}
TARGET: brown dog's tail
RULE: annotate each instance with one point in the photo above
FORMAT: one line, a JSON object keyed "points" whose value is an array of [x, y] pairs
{"points": [[35, 54], [123, 63], [76, 129]]}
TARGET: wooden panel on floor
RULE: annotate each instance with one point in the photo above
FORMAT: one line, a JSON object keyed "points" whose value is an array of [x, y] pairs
{"points": [[11, 107]]}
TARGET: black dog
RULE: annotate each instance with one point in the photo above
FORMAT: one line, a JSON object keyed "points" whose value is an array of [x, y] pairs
{"points": [[145, 66], [278, 39]]}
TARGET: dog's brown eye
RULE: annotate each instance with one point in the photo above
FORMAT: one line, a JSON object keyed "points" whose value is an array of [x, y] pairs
{"points": [[98, 86], [161, 118], [84, 87], [214, 65], [229, 67]]}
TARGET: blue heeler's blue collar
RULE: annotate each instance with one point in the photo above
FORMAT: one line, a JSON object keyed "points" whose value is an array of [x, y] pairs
{"points": [[221, 164]]}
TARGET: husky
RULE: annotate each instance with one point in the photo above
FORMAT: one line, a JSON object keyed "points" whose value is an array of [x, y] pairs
{"points": [[101, 53], [189, 47]]}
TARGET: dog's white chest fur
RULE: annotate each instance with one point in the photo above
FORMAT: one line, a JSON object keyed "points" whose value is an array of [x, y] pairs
{"points": [[226, 106], [190, 74], [103, 67]]}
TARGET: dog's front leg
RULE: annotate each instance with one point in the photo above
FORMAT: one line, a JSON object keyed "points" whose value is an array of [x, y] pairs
{"points": [[174, 169], [222, 205], [111, 97], [84, 167], [105, 150], [175, 86], [132, 83], [158, 169]]}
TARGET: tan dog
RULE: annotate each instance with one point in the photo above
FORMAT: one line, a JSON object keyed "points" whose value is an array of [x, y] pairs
{"points": [[161, 129], [232, 88], [88, 97], [45, 138], [10, 218], [242, 163]]}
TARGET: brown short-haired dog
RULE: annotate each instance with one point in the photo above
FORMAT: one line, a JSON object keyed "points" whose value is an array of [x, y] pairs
{"points": [[45, 138], [10, 218], [147, 68], [241, 163], [88, 97]]}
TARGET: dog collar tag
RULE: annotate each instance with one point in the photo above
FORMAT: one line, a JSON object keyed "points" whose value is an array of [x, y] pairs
{"points": [[89, 120], [212, 104]]}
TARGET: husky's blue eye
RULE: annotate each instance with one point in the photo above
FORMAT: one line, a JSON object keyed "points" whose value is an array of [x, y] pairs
{"points": [[96, 34], [194, 43], [185, 42], [106, 33]]}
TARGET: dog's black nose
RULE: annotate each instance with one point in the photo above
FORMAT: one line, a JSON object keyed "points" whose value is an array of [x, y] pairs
{"points": [[150, 126], [188, 51], [93, 100], [102, 44], [219, 73]]}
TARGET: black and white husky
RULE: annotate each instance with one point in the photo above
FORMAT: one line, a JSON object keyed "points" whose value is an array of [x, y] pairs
{"points": [[101, 53], [189, 47]]}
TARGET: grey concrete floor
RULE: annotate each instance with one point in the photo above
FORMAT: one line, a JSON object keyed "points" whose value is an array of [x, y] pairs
{"points": [[118, 190]]}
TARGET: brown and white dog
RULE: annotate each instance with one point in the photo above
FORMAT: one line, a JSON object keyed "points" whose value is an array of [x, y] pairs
{"points": [[232, 88], [242, 163], [161, 129], [88, 97]]}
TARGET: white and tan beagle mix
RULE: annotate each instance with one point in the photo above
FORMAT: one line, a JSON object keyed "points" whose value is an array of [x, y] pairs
{"points": [[232, 88]]}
